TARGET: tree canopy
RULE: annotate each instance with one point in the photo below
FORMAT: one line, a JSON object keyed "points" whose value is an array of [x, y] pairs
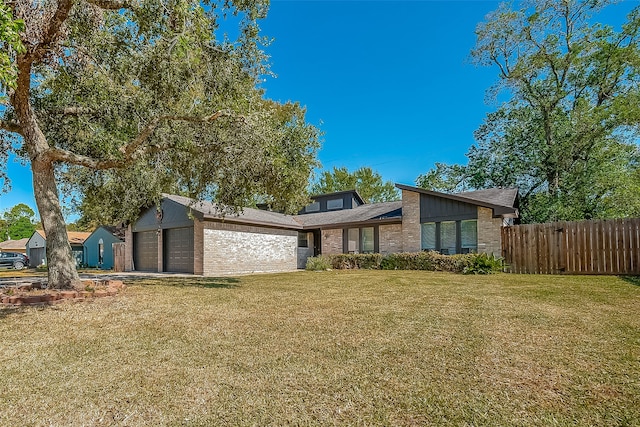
{"points": [[17, 223], [567, 136], [366, 181], [118, 101]]}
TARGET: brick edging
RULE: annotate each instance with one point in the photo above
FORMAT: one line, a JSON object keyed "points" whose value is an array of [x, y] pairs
{"points": [[106, 288]]}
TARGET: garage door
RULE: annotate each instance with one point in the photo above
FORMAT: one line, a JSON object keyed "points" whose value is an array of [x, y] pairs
{"points": [[178, 250], [145, 251]]}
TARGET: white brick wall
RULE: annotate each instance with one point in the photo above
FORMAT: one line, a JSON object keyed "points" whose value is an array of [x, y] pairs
{"points": [[236, 251]]}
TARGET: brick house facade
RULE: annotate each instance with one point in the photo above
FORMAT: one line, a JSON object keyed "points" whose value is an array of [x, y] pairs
{"points": [[194, 237]]}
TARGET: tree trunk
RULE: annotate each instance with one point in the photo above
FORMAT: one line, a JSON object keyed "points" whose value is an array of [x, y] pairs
{"points": [[62, 267]]}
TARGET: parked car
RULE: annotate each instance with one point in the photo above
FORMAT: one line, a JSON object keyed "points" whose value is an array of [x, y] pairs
{"points": [[13, 260]]}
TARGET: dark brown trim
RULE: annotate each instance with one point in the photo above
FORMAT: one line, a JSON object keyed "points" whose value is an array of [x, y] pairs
{"points": [[353, 224]]}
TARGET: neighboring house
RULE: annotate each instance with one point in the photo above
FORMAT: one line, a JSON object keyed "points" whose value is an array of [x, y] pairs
{"points": [[193, 237], [98, 247], [37, 247], [19, 246]]}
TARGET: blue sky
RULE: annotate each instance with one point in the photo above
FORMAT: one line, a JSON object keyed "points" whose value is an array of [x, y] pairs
{"points": [[388, 82]]}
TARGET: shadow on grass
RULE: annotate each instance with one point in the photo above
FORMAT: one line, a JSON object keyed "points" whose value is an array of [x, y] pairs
{"points": [[634, 280], [199, 282]]}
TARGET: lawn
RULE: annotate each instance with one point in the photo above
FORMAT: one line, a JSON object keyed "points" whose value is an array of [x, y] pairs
{"points": [[341, 347]]}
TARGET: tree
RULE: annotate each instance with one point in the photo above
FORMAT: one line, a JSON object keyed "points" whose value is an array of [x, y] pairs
{"points": [[18, 222], [368, 183], [118, 100], [566, 137]]}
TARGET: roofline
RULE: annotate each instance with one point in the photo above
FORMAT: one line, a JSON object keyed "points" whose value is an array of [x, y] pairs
{"points": [[498, 210], [236, 220], [354, 191], [334, 225]]}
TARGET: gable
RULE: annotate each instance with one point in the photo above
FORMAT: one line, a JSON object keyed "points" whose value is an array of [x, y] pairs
{"points": [[434, 209], [36, 241], [101, 233], [172, 215]]}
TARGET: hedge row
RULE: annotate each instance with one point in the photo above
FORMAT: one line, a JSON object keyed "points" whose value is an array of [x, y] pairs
{"points": [[428, 260]]}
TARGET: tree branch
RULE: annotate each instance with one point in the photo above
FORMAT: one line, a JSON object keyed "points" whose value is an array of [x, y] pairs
{"points": [[111, 4], [129, 150], [10, 126]]}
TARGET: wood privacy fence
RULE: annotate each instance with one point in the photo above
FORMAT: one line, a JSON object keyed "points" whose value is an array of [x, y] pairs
{"points": [[585, 247], [118, 257]]}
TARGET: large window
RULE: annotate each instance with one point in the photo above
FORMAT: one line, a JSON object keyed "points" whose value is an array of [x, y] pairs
{"points": [[353, 246], [469, 236], [368, 244], [360, 240], [450, 237], [428, 236]]}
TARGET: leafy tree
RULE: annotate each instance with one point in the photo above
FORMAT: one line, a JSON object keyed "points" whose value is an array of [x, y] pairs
{"points": [[118, 100], [566, 137], [368, 183], [18, 222], [10, 45]]}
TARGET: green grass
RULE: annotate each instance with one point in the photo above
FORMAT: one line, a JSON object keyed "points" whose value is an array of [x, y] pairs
{"points": [[340, 347]]}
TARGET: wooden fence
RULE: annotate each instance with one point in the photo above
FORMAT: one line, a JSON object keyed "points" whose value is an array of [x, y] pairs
{"points": [[118, 257], [585, 247]]}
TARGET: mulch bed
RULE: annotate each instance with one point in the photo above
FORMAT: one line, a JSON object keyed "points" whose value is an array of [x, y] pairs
{"points": [[38, 294]]}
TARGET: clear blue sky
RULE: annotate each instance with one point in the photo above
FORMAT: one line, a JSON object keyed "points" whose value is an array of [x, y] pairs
{"points": [[388, 82]]}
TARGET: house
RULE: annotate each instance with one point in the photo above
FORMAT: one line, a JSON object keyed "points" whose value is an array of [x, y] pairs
{"points": [[194, 237], [37, 246], [19, 246], [98, 247]]}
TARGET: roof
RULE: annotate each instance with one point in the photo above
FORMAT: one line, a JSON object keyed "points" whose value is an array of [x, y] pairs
{"points": [[9, 245], [75, 237], [210, 210], [379, 212], [501, 200]]}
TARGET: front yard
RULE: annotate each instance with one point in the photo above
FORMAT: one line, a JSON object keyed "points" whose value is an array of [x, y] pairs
{"points": [[343, 347]]}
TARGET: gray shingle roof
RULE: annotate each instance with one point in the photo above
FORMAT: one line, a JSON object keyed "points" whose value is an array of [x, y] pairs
{"points": [[495, 196], [360, 213], [248, 215]]}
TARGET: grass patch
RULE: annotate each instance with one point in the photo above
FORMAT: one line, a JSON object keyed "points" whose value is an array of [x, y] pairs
{"points": [[339, 347]]}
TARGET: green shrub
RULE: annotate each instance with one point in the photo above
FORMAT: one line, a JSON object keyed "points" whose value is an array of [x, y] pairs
{"points": [[425, 260], [483, 264], [319, 263], [356, 261]]}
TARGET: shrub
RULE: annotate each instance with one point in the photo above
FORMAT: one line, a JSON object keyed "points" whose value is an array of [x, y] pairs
{"points": [[356, 261], [483, 264], [320, 263]]}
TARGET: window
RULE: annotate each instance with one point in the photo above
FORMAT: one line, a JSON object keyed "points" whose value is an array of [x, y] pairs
{"points": [[450, 237], [334, 204], [303, 241], [428, 236], [353, 239], [313, 207], [469, 236], [360, 240], [100, 251], [368, 244]]}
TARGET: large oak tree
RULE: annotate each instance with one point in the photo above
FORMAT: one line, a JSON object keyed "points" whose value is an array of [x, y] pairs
{"points": [[567, 136], [119, 100]]}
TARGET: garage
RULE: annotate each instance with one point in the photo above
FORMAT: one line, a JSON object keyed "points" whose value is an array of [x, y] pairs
{"points": [[178, 250], [145, 252]]}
